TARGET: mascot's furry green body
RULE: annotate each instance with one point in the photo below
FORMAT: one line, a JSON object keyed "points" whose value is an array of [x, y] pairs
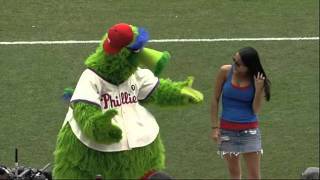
{"points": [[106, 130]]}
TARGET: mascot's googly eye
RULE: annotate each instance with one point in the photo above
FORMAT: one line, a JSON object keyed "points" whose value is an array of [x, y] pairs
{"points": [[136, 51]]}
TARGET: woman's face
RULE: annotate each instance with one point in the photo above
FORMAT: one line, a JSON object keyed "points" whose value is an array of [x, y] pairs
{"points": [[238, 64]]}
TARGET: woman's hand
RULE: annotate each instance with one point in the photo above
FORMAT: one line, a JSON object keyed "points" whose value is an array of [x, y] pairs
{"points": [[259, 85], [215, 135], [259, 81]]}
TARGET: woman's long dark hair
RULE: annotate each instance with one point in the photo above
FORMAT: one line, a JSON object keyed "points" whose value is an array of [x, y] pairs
{"points": [[250, 59]]}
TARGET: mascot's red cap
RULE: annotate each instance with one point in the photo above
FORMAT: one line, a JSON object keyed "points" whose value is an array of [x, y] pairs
{"points": [[119, 36]]}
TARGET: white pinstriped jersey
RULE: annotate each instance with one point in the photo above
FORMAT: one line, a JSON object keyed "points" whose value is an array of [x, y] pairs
{"points": [[139, 127]]}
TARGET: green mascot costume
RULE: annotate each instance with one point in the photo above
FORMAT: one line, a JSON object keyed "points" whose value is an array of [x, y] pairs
{"points": [[107, 131]]}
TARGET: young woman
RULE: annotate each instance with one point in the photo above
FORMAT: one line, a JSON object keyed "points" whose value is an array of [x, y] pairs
{"points": [[242, 86]]}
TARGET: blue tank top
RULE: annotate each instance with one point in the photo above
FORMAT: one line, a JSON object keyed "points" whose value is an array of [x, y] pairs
{"points": [[237, 102]]}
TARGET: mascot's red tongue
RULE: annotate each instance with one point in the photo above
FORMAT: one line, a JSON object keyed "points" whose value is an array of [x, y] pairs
{"points": [[119, 36]]}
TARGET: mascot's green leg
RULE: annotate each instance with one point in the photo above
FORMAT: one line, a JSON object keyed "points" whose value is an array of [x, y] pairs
{"points": [[138, 161], [73, 160], [67, 160]]}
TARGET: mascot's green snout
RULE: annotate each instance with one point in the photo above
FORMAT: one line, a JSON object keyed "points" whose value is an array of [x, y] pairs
{"points": [[107, 131]]}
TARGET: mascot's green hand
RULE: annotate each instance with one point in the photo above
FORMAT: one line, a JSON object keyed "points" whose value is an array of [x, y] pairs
{"points": [[104, 131], [187, 83], [193, 95]]}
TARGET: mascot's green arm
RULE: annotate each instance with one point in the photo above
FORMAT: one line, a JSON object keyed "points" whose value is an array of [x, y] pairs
{"points": [[173, 93], [95, 124]]}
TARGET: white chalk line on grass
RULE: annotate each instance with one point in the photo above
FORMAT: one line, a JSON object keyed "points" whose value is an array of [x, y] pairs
{"points": [[165, 40]]}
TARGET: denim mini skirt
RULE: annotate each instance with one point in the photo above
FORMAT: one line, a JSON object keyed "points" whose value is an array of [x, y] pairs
{"points": [[238, 142]]}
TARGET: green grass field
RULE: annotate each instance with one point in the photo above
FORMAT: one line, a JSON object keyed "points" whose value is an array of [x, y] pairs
{"points": [[32, 77]]}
